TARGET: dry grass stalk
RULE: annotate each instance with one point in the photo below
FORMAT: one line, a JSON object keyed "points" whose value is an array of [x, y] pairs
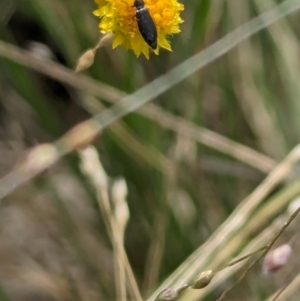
{"points": [[147, 93], [204, 278], [153, 112], [115, 218], [233, 225]]}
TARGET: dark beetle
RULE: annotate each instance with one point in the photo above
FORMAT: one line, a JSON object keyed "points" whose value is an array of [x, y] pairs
{"points": [[145, 23]]}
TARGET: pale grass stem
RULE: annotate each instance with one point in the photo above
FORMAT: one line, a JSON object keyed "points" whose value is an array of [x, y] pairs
{"points": [[204, 278], [145, 94], [264, 252], [151, 111], [44, 156], [92, 167], [233, 225]]}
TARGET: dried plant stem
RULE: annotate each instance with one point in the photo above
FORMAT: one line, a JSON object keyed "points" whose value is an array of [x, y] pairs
{"points": [[98, 178], [204, 278], [138, 148], [264, 236], [209, 138], [236, 261], [153, 112], [265, 251], [157, 87], [231, 227], [119, 246], [235, 265]]}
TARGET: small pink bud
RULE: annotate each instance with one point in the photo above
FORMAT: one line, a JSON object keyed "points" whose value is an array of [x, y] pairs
{"points": [[276, 259]]}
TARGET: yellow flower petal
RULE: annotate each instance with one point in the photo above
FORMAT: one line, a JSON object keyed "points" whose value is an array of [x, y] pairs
{"points": [[164, 43], [119, 40], [118, 17]]}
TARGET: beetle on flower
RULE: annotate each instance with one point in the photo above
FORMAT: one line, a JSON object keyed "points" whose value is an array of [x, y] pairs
{"points": [[120, 18]]}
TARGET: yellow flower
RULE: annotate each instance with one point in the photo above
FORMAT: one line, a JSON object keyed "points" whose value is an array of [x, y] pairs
{"points": [[118, 17]]}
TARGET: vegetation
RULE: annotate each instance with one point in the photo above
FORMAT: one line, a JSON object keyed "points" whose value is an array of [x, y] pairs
{"points": [[204, 174]]}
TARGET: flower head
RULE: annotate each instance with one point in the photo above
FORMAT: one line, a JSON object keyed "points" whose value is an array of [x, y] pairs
{"points": [[119, 17]]}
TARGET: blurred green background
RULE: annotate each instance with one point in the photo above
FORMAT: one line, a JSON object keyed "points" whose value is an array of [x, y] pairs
{"points": [[54, 245]]}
